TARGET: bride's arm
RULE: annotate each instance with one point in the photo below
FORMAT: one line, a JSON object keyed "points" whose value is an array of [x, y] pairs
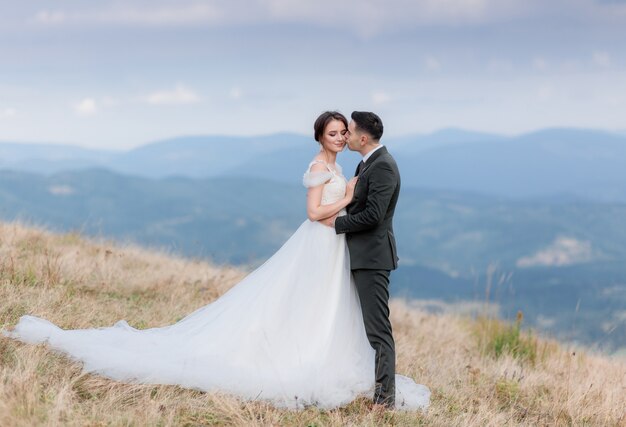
{"points": [[314, 208]]}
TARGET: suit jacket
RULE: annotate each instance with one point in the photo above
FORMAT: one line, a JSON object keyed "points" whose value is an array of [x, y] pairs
{"points": [[368, 224]]}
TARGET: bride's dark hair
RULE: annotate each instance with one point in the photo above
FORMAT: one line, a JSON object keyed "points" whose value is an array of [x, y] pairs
{"points": [[323, 120]]}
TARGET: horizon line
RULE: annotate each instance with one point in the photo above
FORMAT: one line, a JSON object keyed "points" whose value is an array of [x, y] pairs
{"points": [[617, 132]]}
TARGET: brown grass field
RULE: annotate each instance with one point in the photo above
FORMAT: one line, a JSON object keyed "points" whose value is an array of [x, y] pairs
{"points": [[481, 372]]}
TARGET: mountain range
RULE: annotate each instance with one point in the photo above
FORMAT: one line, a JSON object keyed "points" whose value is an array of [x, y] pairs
{"points": [[550, 163]]}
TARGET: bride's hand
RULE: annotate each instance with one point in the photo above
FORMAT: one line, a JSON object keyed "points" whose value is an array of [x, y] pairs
{"points": [[350, 187]]}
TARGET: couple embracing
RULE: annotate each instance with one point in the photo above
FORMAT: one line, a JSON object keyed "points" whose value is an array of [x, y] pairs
{"points": [[308, 327]]}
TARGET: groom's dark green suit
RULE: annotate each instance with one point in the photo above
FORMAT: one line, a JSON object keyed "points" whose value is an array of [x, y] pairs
{"points": [[369, 233]]}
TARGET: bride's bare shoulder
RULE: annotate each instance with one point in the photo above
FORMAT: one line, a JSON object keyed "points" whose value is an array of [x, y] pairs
{"points": [[317, 164]]}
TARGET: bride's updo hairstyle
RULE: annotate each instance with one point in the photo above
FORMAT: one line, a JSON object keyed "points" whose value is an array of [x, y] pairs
{"points": [[322, 121]]}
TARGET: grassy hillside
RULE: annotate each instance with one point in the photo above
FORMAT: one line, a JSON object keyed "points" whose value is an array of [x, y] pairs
{"points": [[481, 372]]}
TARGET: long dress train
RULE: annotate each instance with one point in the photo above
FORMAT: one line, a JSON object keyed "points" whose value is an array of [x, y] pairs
{"points": [[290, 333]]}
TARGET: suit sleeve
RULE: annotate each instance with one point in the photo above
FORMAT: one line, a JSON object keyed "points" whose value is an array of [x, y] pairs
{"points": [[382, 185]]}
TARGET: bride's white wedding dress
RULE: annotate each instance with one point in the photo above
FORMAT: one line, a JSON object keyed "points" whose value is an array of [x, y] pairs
{"points": [[291, 332]]}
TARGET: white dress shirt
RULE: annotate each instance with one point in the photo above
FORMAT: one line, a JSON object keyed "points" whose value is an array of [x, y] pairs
{"points": [[368, 155]]}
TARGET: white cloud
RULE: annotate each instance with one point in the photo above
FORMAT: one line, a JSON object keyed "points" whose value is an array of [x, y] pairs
{"points": [[561, 252], [150, 15], [432, 63], [177, 96], [539, 64], [364, 17], [86, 107], [48, 17], [179, 15], [601, 59], [166, 16], [380, 97], [368, 17], [545, 93], [236, 93], [7, 113]]}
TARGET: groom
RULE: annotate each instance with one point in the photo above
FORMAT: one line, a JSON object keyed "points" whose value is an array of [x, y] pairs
{"points": [[369, 234]]}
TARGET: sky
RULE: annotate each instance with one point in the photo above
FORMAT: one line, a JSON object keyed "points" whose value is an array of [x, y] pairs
{"points": [[119, 74]]}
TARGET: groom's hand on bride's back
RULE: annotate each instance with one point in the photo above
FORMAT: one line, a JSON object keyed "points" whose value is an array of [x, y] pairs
{"points": [[330, 221]]}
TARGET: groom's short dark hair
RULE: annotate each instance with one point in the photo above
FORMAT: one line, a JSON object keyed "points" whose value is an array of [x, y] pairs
{"points": [[369, 123]]}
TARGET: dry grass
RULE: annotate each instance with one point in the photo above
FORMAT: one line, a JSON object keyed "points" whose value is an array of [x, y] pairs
{"points": [[76, 283]]}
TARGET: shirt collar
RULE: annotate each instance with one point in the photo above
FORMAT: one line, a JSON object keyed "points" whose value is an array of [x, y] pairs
{"points": [[368, 155]]}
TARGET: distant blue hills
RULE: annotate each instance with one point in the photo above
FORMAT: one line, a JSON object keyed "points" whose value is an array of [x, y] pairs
{"points": [[577, 163]]}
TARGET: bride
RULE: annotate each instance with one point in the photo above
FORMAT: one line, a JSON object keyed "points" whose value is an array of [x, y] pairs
{"points": [[290, 333]]}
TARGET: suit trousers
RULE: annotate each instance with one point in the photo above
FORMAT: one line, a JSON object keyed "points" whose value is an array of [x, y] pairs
{"points": [[373, 289]]}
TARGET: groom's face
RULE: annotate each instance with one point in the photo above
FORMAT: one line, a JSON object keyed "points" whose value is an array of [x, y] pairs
{"points": [[352, 137]]}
